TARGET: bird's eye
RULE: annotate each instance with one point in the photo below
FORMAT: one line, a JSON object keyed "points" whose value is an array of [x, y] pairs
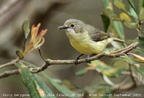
{"points": [[72, 25]]}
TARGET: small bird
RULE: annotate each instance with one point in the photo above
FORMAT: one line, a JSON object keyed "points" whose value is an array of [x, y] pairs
{"points": [[85, 38]]}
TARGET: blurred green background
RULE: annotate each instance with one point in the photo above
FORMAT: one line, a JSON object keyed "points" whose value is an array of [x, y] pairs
{"points": [[51, 14]]}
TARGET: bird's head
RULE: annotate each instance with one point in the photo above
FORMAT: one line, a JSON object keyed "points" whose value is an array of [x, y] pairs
{"points": [[72, 25]]}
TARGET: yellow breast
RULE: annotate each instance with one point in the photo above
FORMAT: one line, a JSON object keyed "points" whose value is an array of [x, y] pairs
{"points": [[88, 47], [83, 43]]}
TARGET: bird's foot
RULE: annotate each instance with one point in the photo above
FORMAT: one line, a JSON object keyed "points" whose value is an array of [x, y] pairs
{"points": [[88, 58], [77, 58]]}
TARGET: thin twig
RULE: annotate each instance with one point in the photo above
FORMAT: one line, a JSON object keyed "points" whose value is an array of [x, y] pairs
{"points": [[62, 62], [39, 50], [9, 63], [8, 73], [38, 69]]}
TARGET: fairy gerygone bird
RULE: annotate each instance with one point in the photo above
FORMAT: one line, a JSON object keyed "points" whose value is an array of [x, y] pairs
{"points": [[85, 38]]}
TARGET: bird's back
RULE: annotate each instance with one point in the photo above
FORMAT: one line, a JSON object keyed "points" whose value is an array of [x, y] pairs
{"points": [[95, 33]]}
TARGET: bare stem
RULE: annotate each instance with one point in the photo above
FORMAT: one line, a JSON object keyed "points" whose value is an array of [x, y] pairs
{"points": [[8, 73], [62, 62], [9, 63], [50, 62]]}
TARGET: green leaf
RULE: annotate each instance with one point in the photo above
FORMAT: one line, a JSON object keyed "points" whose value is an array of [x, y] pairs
{"points": [[69, 85], [133, 14], [26, 28], [119, 29], [108, 12], [99, 91], [59, 87], [139, 70], [132, 5], [42, 88], [115, 18], [96, 87], [140, 50], [106, 22], [20, 54], [131, 25], [81, 72], [120, 5], [141, 14], [63, 89], [141, 4], [106, 3], [140, 39], [124, 17], [120, 62], [127, 59], [107, 17], [35, 86], [116, 27], [107, 70], [113, 72]]}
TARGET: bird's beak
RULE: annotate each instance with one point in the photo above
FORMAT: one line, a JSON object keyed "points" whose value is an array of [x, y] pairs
{"points": [[62, 27]]}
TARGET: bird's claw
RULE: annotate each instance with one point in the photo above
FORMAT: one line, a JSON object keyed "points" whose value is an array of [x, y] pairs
{"points": [[87, 59], [76, 60]]}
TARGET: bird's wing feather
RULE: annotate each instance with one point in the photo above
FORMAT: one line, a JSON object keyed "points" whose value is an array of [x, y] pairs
{"points": [[99, 35], [96, 34]]}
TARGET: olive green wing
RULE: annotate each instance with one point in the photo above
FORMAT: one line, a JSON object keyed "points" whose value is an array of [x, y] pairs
{"points": [[98, 35], [95, 34]]}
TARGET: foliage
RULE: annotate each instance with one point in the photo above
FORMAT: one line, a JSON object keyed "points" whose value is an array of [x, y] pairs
{"points": [[131, 17]]}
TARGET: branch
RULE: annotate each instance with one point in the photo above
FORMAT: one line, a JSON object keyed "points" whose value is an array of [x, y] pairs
{"points": [[62, 62], [8, 73], [9, 63]]}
